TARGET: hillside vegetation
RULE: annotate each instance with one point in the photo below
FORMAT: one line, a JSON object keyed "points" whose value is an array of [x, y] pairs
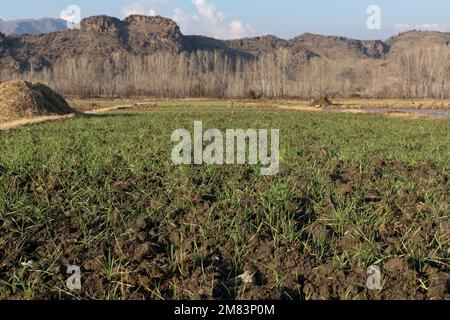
{"points": [[149, 57]]}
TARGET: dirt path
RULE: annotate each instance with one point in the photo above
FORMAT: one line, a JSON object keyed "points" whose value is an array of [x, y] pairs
{"points": [[394, 113], [26, 121], [108, 109]]}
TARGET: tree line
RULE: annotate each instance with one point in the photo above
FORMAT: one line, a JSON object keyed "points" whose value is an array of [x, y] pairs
{"points": [[420, 73]]}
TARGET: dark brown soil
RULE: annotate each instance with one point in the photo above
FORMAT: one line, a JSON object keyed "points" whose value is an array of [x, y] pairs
{"points": [[205, 270]]}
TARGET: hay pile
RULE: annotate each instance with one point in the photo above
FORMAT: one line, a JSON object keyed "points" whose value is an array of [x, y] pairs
{"points": [[321, 102], [23, 99]]}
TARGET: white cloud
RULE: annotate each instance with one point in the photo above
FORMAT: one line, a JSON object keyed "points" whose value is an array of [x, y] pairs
{"points": [[207, 19], [428, 26], [208, 11], [141, 7], [400, 27], [184, 19], [238, 29], [210, 21]]}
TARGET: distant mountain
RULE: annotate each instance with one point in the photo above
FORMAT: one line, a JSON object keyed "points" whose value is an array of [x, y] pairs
{"points": [[107, 46], [32, 27], [102, 36]]}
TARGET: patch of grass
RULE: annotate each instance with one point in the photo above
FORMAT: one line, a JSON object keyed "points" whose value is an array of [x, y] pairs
{"points": [[102, 193]]}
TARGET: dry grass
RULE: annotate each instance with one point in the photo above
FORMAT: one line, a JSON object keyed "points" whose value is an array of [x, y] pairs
{"points": [[394, 103], [26, 121], [358, 106], [23, 99]]}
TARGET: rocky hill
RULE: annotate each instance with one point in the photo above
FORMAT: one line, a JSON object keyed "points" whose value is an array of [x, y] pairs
{"points": [[99, 38], [104, 38]]}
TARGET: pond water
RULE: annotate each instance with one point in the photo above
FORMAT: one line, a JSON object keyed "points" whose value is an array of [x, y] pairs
{"points": [[435, 113]]}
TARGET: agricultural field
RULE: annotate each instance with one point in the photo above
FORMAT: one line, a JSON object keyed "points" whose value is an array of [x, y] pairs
{"points": [[101, 192]]}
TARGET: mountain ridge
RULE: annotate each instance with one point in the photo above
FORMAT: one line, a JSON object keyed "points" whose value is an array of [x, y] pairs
{"points": [[140, 34], [104, 39], [32, 26]]}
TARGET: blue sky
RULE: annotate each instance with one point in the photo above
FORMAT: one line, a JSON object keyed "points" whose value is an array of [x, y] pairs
{"points": [[239, 18]]}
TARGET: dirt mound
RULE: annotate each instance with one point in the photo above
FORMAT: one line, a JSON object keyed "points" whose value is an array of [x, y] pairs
{"points": [[23, 99], [321, 102]]}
